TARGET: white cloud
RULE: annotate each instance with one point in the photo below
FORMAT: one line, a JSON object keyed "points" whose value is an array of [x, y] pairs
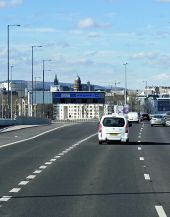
{"points": [[143, 55], [93, 35], [3, 4], [43, 30], [91, 53], [84, 61], [87, 23], [14, 3], [162, 76], [91, 23], [11, 3]]}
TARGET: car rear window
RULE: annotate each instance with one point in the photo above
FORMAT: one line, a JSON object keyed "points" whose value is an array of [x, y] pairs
{"points": [[113, 122], [158, 116]]}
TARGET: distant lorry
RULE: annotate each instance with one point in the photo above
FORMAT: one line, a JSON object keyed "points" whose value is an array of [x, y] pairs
{"points": [[133, 117]]}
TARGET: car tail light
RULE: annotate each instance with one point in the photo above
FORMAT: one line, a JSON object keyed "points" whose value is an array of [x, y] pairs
{"points": [[126, 128], [100, 128]]}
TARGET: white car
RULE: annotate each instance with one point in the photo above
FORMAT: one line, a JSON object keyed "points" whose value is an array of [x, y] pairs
{"points": [[113, 128], [133, 117]]}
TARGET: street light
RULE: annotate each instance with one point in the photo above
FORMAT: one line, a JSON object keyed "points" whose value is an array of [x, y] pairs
{"points": [[8, 27], [43, 83], [125, 65], [33, 75], [11, 94]]}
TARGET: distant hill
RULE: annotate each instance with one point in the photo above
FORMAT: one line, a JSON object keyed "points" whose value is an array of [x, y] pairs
{"points": [[39, 85]]}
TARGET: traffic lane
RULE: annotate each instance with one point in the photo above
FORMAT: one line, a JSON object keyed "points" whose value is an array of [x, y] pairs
{"points": [[134, 131], [155, 147], [155, 134], [157, 159], [19, 160], [90, 180], [17, 135]]}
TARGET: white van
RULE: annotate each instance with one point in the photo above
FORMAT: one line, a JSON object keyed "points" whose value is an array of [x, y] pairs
{"points": [[133, 117], [113, 128]]}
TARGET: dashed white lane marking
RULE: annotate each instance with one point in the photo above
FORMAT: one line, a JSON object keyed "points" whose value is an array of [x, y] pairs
{"points": [[48, 163], [43, 167], [139, 148], [5, 198], [23, 183], [31, 176], [15, 190], [37, 171], [146, 176], [160, 211], [141, 158], [38, 135], [139, 141], [69, 149], [139, 137]]}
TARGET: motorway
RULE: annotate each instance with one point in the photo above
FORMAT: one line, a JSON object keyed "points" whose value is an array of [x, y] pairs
{"points": [[66, 173]]}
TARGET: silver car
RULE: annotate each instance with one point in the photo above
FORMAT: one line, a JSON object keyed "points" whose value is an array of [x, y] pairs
{"points": [[158, 120]]}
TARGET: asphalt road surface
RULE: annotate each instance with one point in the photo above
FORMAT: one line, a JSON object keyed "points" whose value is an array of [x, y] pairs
{"points": [[66, 173]]}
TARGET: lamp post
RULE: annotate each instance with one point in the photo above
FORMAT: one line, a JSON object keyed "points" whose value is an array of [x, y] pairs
{"points": [[125, 65], [33, 75], [8, 27], [43, 84], [11, 94]]}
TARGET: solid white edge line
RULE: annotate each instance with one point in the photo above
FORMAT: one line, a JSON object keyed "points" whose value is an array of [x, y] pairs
{"points": [[160, 211], [24, 140], [15, 190]]}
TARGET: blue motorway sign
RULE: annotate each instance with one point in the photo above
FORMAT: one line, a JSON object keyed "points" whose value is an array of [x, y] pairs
{"points": [[78, 95]]}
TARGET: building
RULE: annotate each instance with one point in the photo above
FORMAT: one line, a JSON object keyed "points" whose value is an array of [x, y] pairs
{"points": [[78, 105], [77, 84]]}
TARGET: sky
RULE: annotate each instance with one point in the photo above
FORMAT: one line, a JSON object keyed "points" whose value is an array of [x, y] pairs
{"points": [[91, 39]]}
